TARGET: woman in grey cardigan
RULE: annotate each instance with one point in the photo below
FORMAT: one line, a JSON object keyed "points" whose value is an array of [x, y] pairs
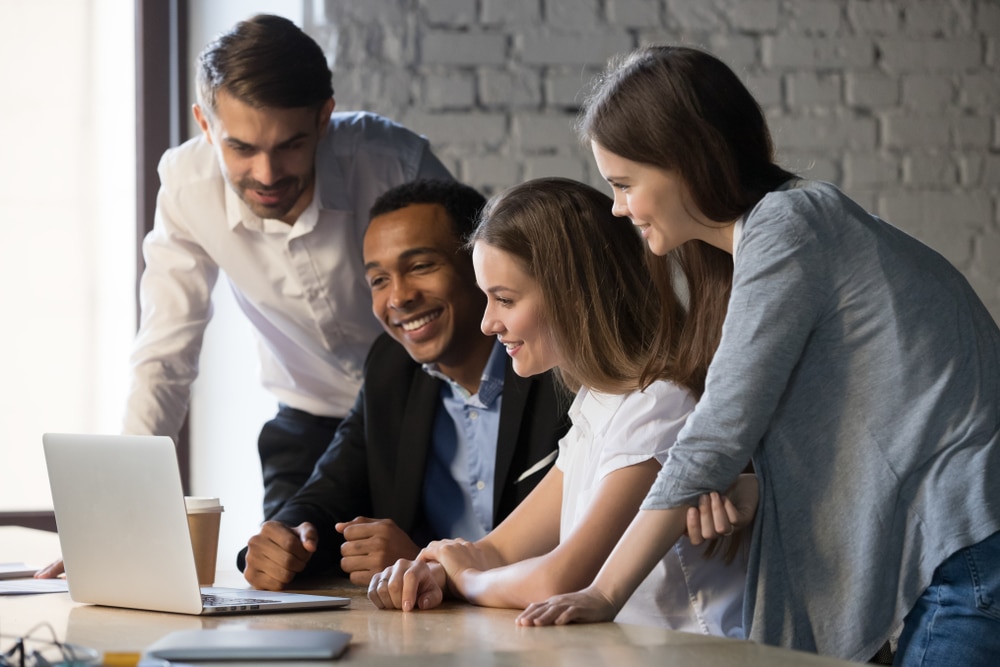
{"points": [[856, 368]]}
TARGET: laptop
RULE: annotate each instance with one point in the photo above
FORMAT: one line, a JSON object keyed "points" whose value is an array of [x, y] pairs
{"points": [[123, 530]]}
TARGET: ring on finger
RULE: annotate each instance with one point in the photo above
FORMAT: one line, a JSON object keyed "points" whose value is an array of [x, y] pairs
{"points": [[730, 531]]}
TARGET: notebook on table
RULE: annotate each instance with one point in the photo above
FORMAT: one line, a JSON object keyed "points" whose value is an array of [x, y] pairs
{"points": [[250, 644], [124, 535]]}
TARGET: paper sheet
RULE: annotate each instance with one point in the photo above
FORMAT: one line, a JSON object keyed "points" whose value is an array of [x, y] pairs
{"points": [[32, 586], [16, 570]]}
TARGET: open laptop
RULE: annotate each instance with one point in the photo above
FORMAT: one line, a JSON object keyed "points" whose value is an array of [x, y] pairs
{"points": [[123, 530]]}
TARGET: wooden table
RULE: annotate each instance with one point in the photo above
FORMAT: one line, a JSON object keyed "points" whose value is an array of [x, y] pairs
{"points": [[454, 634]]}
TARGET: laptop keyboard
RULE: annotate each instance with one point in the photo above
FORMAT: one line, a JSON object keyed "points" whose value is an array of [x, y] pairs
{"points": [[209, 600]]}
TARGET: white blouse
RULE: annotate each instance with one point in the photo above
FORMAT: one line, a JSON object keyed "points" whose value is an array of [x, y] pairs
{"points": [[684, 591]]}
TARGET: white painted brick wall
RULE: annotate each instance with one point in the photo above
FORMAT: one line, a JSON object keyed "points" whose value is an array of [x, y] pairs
{"points": [[633, 13], [455, 90], [505, 88], [754, 15], [896, 101], [441, 47], [509, 13]]}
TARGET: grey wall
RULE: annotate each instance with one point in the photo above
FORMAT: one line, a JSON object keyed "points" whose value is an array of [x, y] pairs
{"points": [[898, 102]]}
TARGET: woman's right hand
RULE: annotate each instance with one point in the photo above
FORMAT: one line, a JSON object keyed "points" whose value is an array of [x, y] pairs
{"points": [[721, 515], [585, 606], [408, 585]]}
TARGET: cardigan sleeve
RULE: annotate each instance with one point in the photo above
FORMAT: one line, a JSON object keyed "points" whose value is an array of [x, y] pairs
{"points": [[779, 295]]}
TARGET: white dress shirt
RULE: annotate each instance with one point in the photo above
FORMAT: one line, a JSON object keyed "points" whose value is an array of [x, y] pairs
{"points": [[301, 286], [684, 591]]}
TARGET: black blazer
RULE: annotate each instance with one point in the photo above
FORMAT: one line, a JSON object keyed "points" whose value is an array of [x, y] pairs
{"points": [[376, 462]]}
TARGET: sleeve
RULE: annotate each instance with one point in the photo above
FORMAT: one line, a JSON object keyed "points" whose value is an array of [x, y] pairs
{"points": [[175, 305], [645, 427], [779, 292], [336, 491], [431, 167]]}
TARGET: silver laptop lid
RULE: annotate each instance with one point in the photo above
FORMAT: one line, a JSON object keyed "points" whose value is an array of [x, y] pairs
{"points": [[123, 530]]}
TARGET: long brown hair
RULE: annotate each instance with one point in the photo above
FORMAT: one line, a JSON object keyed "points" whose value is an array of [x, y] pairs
{"points": [[682, 109], [589, 267]]}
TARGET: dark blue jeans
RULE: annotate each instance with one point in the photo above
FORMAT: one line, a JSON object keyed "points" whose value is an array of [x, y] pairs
{"points": [[289, 446], [957, 619]]}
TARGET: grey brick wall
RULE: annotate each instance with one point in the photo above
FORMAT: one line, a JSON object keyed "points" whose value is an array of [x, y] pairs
{"points": [[896, 101]]}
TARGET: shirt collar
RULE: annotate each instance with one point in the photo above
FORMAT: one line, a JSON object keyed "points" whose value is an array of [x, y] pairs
{"points": [[593, 409], [491, 382]]}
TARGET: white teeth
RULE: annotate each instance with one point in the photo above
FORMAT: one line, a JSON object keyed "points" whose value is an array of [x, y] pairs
{"points": [[412, 325], [509, 346]]}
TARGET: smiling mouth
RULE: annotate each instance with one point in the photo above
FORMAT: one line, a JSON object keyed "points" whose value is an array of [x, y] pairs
{"points": [[413, 325], [276, 190], [644, 228], [509, 346]]}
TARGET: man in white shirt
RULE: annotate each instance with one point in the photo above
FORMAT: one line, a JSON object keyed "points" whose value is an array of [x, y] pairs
{"points": [[276, 194]]}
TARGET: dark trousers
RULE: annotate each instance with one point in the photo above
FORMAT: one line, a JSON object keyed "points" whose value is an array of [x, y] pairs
{"points": [[289, 446]]}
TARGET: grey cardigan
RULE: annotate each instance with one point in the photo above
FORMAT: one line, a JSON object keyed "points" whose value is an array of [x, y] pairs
{"points": [[862, 374]]}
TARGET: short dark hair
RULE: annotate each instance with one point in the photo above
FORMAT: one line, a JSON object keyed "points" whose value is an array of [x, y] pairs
{"points": [[265, 61], [461, 202]]}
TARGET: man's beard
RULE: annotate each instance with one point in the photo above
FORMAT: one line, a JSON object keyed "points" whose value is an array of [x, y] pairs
{"points": [[289, 189]]}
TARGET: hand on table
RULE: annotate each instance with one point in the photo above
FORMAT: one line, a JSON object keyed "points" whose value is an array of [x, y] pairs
{"points": [[277, 553], [720, 516], [51, 571], [408, 585], [457, 556], [371, 545], [585, 606]]}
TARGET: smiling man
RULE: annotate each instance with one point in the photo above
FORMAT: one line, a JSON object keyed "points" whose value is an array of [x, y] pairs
{"points": [[444, 439], [275, 193]]}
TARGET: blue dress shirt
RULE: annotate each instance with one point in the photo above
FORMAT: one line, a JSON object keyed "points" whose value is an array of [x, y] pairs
{"points": [[458, 484]]}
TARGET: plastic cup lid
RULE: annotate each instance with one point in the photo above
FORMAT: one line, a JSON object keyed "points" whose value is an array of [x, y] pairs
{"points": [[201, 504]]}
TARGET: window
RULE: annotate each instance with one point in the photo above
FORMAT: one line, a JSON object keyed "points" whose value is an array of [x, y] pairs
{"points": [[67, 202]]}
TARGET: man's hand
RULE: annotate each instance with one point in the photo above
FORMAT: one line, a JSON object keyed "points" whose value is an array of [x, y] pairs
{"points": [[51, 571], [372, 545], [277, 553]]}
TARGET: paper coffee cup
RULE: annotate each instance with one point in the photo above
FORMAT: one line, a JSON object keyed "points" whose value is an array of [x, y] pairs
{"points": [[204, 516]]}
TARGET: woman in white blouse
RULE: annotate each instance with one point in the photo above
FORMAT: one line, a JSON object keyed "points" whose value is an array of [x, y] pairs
{"points": [[567, 290]]}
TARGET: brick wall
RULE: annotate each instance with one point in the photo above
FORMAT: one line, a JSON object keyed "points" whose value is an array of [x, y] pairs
{"points": [[896, 101]]}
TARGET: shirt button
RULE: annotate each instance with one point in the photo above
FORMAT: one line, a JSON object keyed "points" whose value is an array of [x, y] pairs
{"points": [[480, 485], [473, 414]]}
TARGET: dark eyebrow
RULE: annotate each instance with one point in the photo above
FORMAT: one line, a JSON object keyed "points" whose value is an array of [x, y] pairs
{"points": [[236, 143], [409, 254], [293, 139]]}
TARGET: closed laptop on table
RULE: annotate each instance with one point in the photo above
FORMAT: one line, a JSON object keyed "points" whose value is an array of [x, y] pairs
{"points": [[124, 535]]}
